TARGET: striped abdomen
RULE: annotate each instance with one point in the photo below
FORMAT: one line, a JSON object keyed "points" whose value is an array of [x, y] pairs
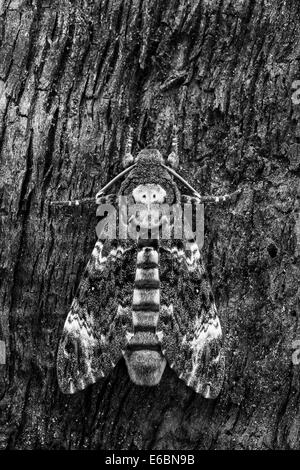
{"points": [[144, 359]]}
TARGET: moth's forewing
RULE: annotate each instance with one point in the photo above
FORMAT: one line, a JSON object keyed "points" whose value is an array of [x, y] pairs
{"points": [[192, 335], [94, 333]]}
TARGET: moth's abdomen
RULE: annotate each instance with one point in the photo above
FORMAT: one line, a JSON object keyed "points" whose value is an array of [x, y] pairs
{"points": [[146, 294], [143, 356]]}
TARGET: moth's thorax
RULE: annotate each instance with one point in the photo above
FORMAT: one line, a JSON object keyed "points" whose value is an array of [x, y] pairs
{"points": [[150, 179]]}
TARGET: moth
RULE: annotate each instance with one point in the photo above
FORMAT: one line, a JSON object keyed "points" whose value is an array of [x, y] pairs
{"points": [[146, 299]]}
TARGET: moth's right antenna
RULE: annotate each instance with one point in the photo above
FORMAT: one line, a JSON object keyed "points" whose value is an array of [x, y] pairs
{"points": [[128, 157], [173, 172]]}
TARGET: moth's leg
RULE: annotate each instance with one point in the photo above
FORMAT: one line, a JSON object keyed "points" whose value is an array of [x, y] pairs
{"points": [[75, 202], [219, 199], [185, 199], [108, 199], [214, 199]]}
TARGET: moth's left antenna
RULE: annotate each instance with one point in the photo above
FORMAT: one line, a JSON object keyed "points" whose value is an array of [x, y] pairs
{"points": [[128, 164], [170, 170], [113, 181]]}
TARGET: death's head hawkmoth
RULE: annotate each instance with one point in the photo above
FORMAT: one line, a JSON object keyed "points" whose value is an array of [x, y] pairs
{"points": [[148, 299]]}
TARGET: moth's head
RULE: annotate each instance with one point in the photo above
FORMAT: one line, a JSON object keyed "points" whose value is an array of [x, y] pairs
{"points": [[150, 181], [151, 155], [148, 177], [147, 156]]}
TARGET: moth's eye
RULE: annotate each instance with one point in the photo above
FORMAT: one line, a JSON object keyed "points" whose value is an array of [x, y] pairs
{"points": [[197, 290]]}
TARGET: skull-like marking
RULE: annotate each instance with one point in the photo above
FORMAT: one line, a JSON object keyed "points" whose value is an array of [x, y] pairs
{"points": [[148, 194]]}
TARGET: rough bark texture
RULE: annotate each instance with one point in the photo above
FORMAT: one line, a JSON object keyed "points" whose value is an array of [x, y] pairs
{"points": [[73, 76]]}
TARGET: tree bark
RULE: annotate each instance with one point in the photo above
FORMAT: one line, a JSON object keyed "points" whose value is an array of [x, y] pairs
{"points": [[73, 76]]}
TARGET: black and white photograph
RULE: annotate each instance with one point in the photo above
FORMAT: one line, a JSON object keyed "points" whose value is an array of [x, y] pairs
{"points": [[150, 228]]}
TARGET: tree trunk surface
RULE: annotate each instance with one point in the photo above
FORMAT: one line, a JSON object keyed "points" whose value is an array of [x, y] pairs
{"points": [[73, 76]]}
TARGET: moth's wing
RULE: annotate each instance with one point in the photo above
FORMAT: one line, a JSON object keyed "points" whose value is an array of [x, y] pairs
{"points": [[94, 333], [192, 334]]}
